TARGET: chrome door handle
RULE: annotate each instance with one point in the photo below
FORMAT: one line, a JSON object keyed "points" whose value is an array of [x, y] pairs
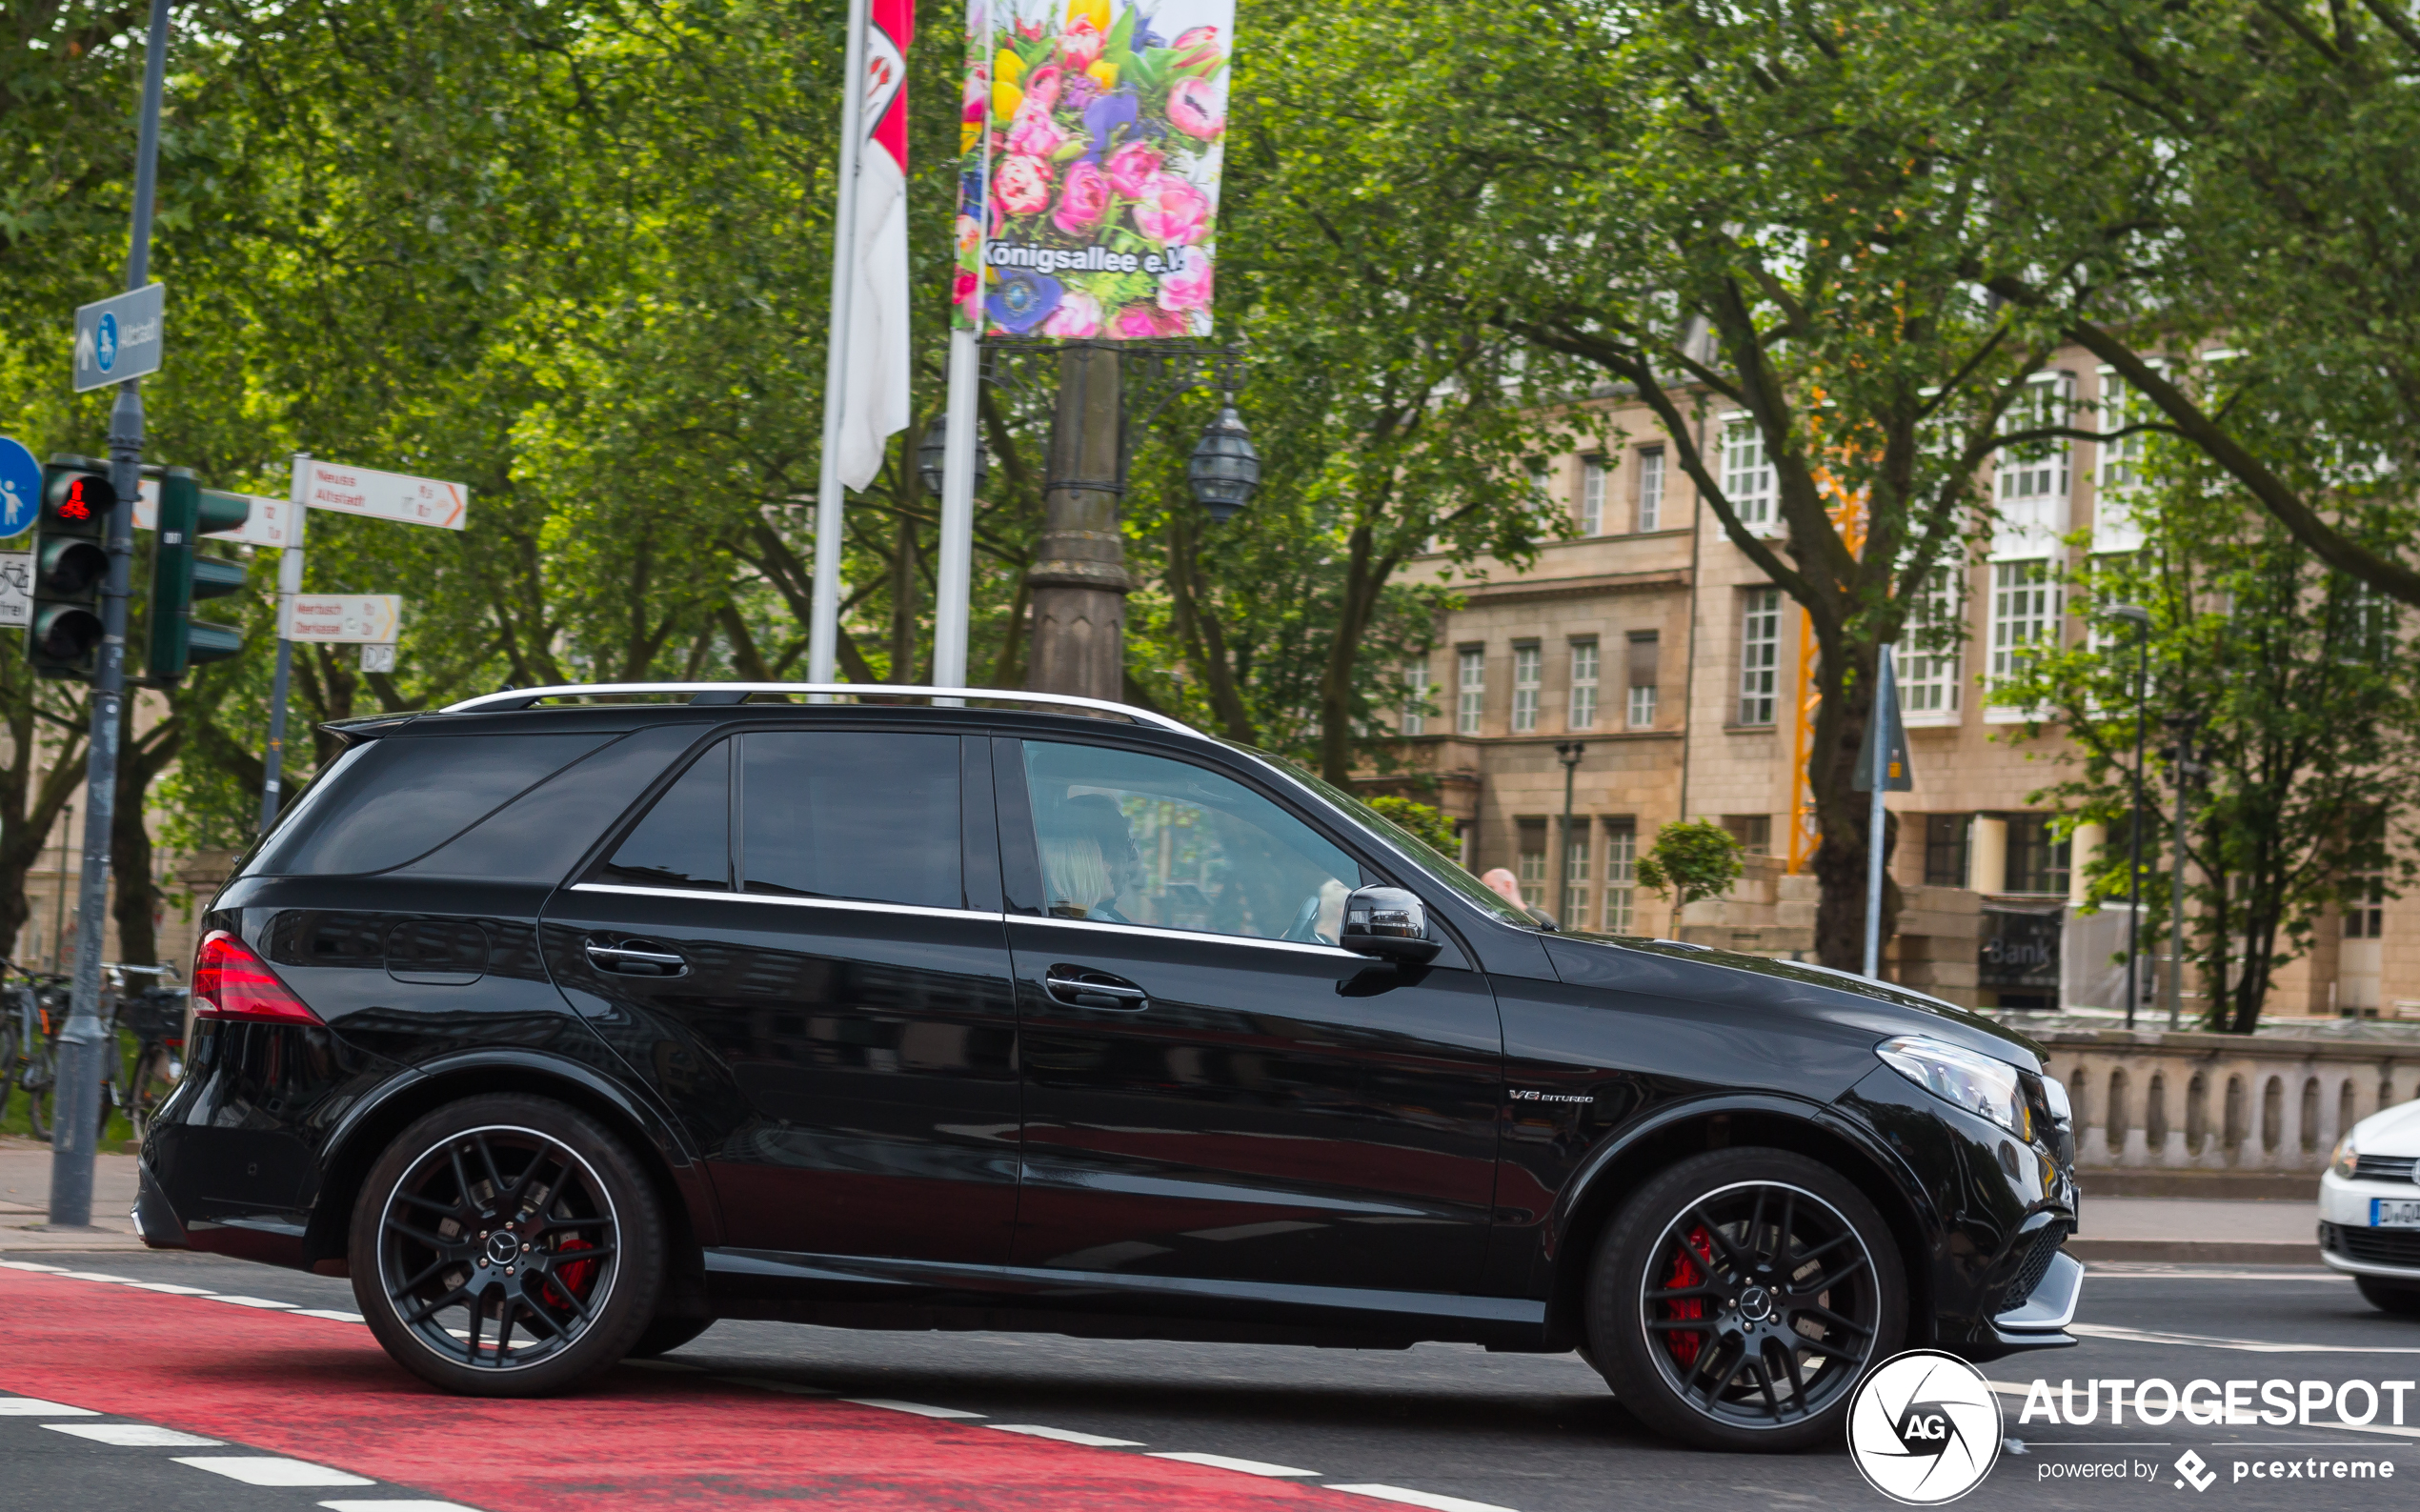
{"points": [[1077, 993], [629, 962]]}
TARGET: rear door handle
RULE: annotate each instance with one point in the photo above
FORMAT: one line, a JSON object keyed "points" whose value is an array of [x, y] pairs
{"points": [[1079, 988], [637, 959]]}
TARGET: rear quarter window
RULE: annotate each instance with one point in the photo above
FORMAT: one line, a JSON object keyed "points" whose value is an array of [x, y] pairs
{"points": [[394, 800]]}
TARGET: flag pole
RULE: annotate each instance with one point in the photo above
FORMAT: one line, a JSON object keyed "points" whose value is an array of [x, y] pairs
{"points": [[823, 621], [953, 583]]}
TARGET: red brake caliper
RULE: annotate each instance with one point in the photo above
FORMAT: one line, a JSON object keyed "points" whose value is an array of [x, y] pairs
{"points": [[1685, 1270], [575, 1275]]}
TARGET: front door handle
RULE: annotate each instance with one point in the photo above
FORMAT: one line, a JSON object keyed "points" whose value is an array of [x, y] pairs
{"points": [[638, 957], [1079, 988]]}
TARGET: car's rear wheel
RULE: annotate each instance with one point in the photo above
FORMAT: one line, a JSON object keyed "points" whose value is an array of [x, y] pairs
{"points": [[2390, 1297], [507, 1246], [1737, 1297]]}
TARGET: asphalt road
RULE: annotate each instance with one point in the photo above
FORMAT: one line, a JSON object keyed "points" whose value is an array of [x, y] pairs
{"points": [[1531, 1433]]}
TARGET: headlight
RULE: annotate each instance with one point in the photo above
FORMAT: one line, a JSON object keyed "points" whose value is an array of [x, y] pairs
{"points": [[1976, 1083], [2342, 1162]]}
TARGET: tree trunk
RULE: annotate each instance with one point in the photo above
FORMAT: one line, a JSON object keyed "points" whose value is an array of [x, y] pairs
{"points": [[29, 806], [1364, 579], [1843, 818], [1205, 643]]}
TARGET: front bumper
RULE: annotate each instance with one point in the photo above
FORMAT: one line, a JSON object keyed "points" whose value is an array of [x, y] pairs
{"points": [[2347, 1243], [155, 1222]]}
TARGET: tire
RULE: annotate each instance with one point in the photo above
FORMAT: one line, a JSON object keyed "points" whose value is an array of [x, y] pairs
{"points": [[2390, 1297], [148, 1086], [665, 1335], [8, 1063], [450, 1293], [1793, 1280], [38, 1078]]}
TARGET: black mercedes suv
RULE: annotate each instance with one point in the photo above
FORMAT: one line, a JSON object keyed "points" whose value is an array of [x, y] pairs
{"points": [[565, 1021]]}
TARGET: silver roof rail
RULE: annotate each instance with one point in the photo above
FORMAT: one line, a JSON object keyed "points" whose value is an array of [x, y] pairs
{"points": [[735, 691]]}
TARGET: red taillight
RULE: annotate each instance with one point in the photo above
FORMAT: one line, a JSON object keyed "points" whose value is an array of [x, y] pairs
{"points": [[231, 983]]}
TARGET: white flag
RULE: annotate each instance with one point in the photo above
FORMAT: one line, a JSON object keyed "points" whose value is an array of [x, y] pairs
{"points": [[875, 391]]}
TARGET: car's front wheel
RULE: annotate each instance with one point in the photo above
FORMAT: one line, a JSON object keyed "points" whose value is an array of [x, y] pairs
{"points": [[1737, 1297], [2390, 1297], [507, 1246]]}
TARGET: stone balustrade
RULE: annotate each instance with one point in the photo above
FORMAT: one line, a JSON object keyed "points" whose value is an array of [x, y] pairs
{"points": [[2151, 1101]]}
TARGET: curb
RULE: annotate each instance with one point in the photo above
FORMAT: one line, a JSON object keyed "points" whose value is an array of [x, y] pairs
{"points": [[2198, 1251]]}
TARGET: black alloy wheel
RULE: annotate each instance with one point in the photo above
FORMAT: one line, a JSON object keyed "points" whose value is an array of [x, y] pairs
{"points": [[1738, 1297], [507, 1246]]}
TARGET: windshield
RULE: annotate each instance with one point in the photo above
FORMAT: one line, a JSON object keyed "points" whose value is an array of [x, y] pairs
{"points": [[1436, 862]]}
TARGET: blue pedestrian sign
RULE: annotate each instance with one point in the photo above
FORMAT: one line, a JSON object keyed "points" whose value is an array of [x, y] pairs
{"points": [[120, 338], [20, 487]]}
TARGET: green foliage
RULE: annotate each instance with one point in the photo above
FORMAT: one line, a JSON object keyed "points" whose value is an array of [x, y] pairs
{"points": [[2304, 692], [1690, 859], [1428, 823]]}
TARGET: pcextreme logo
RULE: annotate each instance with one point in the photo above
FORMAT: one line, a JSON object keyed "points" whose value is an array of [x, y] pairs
{"points": [[1923, 1428]]}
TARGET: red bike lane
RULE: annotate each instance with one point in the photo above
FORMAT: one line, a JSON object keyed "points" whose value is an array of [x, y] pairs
{"points": [[323, 1391]]}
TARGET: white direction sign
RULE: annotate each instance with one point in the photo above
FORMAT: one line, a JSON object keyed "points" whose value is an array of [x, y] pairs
{"points": [[342, 618], [16, 587], [265, 526], [120, 338], [384, 496], [378, 659]]}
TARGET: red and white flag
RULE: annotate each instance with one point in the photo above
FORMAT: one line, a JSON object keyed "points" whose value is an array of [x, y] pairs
{"points": [[876, 387]]}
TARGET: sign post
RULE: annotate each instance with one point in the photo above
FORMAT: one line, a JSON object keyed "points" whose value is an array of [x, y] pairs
{"points": [[1882, 767]]}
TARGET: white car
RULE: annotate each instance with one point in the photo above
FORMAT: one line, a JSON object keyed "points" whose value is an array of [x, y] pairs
{"points": [[2369, 1208]]}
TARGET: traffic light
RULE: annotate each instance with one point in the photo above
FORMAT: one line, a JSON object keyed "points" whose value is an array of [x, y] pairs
{"points": [[181, 575], [71, 565]]}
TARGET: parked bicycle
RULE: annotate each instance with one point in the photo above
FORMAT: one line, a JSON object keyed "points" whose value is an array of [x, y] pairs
{"points": [[36, 1007], [154, 1017]]}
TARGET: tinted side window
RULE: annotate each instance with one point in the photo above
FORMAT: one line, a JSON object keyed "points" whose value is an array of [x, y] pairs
{"points": [[850, 813], [685, 840], [403, 796], [1128, 838]]}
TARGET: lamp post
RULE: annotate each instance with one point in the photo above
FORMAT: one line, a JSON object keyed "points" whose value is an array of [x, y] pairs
{"points": [[2182, 728], [931, 452], [1568, 752], [2141, 619]]}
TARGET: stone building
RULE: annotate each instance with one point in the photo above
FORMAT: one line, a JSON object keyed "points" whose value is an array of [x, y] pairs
{"points": [[1653, 640]]}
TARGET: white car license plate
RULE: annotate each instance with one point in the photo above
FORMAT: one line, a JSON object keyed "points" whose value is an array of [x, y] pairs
{"points": [[2394, 1212]]}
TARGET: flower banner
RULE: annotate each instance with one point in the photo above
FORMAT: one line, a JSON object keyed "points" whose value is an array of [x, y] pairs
{"points": [[1089, 191]]}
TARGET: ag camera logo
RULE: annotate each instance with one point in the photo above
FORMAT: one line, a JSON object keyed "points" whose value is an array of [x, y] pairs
{"points": [[1923, 1428]]}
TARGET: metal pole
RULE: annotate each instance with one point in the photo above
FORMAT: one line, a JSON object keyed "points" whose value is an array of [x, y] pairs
{"points": [[952, 582], [75, 1130], [59, 898], [290, 573], [2135, 848], [2176, 885], [823, 616], [1876, 819], [1568, 752]]}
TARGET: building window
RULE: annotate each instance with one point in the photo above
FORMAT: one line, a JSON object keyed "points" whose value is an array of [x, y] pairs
{"points": [[2037, 857], [1931, 649], [1532, 866], [1645, 648], [1592, 495], [2366, 907], [1470, 689], [1651, 488], [1946, 848], [2038, 470], [2122, 405], [1621, 874], [2024, 616], [1753, 831], [1416, 692], [1575, 861], [1747, 474], [1525, 709], [1760, 655], [1584, 685]]}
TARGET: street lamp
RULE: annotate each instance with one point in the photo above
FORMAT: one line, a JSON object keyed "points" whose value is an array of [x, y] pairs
{"points": [[1224, 468], [2182, 728], [928, 459], [1567, 752], [2141, 619]]}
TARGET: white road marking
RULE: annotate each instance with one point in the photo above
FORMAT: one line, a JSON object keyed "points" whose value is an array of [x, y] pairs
{"points": [[396, 1506], [333, 1315], [94, 1275], [271, 1469], [36, 1407], [767, 1383], [28, 1265], [917, 1407], [2155, 1270], [252, 1302], [1091, 1440], [2253, 1346], [171, 1289], [1221, 1461], [1427, 1498], [134, 1435]]}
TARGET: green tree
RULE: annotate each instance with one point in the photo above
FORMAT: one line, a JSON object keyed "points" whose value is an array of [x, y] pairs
{"points": [[1690, 859], [1424, 821]]}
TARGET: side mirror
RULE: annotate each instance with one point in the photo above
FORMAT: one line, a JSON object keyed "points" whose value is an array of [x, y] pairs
{"points": [[1389, 923]]}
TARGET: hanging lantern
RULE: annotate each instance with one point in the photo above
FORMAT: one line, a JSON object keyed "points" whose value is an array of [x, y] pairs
{"points": [[1225, 469]]}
